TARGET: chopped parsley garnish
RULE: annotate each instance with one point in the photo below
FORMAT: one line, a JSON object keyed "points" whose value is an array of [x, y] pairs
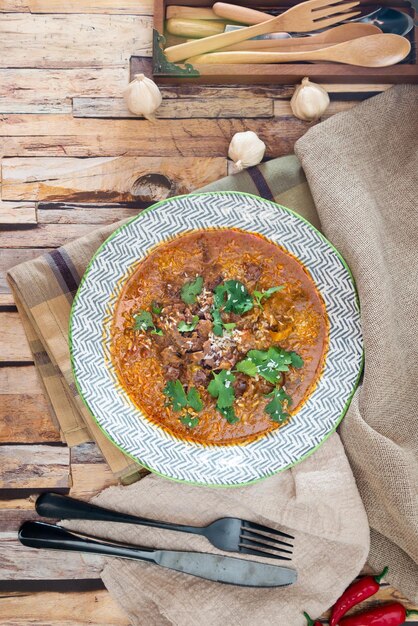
{"points": [[156, 308], [262, 295], [233, 296], [179, 400], [221, 388], [218, 325], [189, 421], [229, 414], [275, 407], [193, 400], [269, 363], [191, 290], [143, 321], [187, 328]]}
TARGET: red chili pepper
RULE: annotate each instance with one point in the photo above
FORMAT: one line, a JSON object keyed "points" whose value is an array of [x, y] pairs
{"points": [[354, 594], [392, 614], [311, 622]]}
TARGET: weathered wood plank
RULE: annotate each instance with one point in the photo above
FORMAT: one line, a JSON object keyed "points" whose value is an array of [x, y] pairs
{"points": [[61, 135], [44, 235], [127, 7], [17, 213], [34, 467], [67, 213], [9, 258], [14, 346], [73, 40], [51, 91], [15, 6], [24, 409], [18, 562], [94, 607], [116, 179], [90, 473], [178, 108], [48, 609]]}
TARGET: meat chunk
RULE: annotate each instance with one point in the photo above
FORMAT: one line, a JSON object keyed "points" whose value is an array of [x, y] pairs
{"points": [[252, 272], [240, 385], [213, 281], [203, 329], [200, 378], [172, 363]]}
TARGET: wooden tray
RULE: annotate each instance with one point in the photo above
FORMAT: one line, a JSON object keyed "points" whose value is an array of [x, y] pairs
{"points": [[286, 73]]}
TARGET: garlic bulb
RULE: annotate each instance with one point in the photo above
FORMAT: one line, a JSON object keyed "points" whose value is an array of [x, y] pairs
{"points": [[143, 96], [246, 149], [309, 101]]}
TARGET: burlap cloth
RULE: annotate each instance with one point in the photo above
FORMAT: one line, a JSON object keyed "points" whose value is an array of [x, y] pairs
{"points": [[362, 170]]}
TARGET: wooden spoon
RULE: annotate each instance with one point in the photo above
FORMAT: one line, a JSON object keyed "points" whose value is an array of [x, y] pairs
{"points": [[345, 32], [372, 51]]}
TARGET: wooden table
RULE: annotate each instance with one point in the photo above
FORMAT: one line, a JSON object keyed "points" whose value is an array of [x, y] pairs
{"points": [[72, 159]]}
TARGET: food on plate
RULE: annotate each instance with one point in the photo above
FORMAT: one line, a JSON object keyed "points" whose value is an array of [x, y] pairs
{"points": [[219, 336]]}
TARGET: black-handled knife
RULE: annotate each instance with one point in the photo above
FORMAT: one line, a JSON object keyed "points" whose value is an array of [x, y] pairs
{"points": [[223, 569]]}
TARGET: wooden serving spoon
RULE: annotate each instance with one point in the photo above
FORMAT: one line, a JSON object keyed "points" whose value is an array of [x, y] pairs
{"points": [[372, 51], [345, 32]]}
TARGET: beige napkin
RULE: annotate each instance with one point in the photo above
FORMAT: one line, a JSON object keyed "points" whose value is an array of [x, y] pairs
{"points": [[317, 501], [362, 169]]}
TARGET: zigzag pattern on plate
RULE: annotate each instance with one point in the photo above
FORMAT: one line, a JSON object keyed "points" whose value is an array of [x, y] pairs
{"points": [[132, 431]]}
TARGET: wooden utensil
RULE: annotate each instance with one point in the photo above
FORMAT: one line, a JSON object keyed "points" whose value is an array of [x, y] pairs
{"points": [[303, 17], [191, 13], [345, 32], [239, 14], [372, 51], [194, 28]]}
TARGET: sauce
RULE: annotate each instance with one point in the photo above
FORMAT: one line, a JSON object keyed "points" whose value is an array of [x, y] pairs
{"points": [[293, 319]]}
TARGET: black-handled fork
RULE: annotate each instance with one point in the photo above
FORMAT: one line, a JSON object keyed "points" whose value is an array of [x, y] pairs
{"points": [[227, 533]]}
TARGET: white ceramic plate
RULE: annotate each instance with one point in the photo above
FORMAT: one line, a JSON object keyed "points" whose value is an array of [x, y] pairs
{"points": [[124, 423]]}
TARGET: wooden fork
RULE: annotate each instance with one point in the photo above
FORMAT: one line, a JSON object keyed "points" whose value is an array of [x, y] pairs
{"points": [[304, 17]]}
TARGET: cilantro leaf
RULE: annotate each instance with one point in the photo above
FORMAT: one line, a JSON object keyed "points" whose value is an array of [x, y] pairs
{"points": [[191, 290], [275, 407], [229, 414], [189, 421], [156, 308], [219, 325], [233, 296], [174, 390], [297, 360], [246, 366], [261, 295], [269, 363], [179, 400], [187, 328], [194, 400], [221, 388], [143, 320]]}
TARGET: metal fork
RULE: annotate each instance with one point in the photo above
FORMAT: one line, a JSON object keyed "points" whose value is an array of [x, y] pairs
{"points": [[303, 17], [227, 533]]}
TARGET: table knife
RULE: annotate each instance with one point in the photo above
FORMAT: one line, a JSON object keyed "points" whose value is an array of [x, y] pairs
{"points": [[223, 569]]}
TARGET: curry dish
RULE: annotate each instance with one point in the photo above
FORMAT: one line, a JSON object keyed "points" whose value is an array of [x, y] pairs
{"points": [[219, 336]]}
